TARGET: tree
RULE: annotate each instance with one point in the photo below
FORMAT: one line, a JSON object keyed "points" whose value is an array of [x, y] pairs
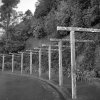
{"points": [[6, 11], [38, 28], [44, 6], [28, 15]]}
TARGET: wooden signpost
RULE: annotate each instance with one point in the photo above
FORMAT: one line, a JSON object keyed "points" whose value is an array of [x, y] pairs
{"points": [[49, 61], [22, 63], [13, 56], [72, 43], [12, 63], [30, 61], [22, 53], [60, 61], [60, 64], [3, 61], [40, 71], [49, 57], [40, 54], [73, 64]]}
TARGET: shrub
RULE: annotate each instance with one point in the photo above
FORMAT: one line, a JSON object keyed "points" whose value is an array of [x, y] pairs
{"points": [[7, 65]]}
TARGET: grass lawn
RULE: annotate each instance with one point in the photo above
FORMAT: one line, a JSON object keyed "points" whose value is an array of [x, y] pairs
{"points": [[85, 91]]}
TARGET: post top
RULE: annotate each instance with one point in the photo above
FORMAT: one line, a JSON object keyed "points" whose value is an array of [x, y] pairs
{"points": [[29, 50], [78, 29], [20, 52], [54, 39]]}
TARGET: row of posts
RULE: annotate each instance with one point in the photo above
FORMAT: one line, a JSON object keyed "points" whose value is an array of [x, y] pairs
{"points": [[73, 63], [40, 53], [73, 76]]}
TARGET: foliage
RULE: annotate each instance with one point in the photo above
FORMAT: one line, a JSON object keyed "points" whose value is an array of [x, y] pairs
{"points": [[8, 21], [7, 12], [48, 15], [46, 6], [77, 13], [18, 34], [14, 43]]}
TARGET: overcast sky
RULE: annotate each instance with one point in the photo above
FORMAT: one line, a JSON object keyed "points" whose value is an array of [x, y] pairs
{"points": [[24, 5]]}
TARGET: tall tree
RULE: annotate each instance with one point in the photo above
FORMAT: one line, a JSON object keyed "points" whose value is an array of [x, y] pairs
{"points": [[44, 7], [6, 11]]}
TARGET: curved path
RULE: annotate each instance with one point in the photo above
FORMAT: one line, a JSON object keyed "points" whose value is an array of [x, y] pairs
{"points": [[24, 88]]}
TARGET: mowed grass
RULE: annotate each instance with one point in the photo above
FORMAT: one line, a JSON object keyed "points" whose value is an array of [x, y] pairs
{"points": [[88, 92], [85, 90], [15, 87]]}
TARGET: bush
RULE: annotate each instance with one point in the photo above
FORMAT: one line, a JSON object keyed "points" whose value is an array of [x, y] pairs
{"points": [[89, 75], [7, 65], [17, 65], [86, 75]]}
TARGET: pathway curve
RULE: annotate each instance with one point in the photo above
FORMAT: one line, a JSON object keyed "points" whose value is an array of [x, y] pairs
{"points": [[24, 88]]}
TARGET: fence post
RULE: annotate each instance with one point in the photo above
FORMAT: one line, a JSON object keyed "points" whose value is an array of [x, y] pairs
{"points": [[3, 60], [21, 62], [60, 64], [30, 62], [40, 62], [73, 64], [49, 61], [12, 62]]}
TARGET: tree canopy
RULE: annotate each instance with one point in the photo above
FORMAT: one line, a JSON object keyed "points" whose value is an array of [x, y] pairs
{"points": [[7, 13]]}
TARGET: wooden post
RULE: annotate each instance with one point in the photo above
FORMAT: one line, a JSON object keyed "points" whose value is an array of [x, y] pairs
{"points": [[21, 62], [12, 62], [60, 64], [3, 60], [49, 61], [73, 64], [72, 42], [40, 62], [30, 62]]}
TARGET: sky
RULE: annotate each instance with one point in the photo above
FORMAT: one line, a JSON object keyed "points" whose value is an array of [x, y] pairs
{"points": [[24, 5]]}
